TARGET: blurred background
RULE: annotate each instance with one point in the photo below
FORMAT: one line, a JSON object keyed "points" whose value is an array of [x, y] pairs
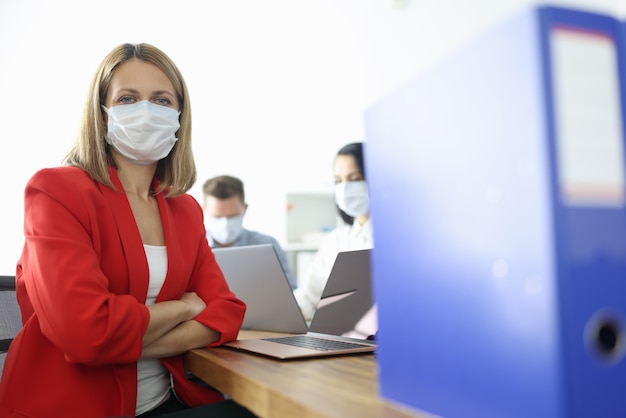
{"points": [[277, 86]]}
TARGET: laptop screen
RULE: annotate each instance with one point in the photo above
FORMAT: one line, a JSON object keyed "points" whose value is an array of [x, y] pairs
{"points": [[347, 305]]}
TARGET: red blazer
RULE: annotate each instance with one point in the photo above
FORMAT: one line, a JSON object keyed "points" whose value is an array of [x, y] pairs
{"points": [[82, 282]]}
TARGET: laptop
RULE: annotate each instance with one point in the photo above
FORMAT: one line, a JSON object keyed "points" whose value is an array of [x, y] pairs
{"points": [[255, 275], [344, 319]]}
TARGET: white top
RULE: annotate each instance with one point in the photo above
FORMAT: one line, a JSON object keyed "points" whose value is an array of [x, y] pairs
{"points": [[343, 238], [153, 380]]}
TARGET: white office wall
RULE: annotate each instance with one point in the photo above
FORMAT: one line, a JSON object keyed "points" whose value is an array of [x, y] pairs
{"points": [[404, 36], [277, 86]]}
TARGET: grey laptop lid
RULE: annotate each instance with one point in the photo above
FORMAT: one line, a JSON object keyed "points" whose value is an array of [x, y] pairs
{"points": [[347, 296], [255, 275], [345, 317]]}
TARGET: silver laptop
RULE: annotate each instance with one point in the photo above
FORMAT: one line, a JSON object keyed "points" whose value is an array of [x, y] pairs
{"points": [[255, 275], [344, 320]]}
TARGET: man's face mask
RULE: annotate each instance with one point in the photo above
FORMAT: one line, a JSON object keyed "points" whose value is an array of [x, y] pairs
{"points": [[225, 230]]}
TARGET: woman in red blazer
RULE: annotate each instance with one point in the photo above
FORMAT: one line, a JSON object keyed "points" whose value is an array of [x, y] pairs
{"points": [[116, 279]]}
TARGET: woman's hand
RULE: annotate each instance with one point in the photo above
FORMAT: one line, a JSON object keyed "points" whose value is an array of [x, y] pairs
{"points": [[193, 301], [173, 331]]}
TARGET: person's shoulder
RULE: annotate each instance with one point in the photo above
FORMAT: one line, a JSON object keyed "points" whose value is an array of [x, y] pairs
{"points": [[257, 237], [336, 236], [60, 177], [61, 171], [342, 229], [184, 200], [184, 203]]}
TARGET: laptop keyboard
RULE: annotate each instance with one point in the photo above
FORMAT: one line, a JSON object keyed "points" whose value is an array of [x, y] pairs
{"points": [[314, 343]]}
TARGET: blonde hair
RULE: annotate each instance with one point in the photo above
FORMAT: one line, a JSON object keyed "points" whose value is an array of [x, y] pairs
{"points": [[176, 172]]}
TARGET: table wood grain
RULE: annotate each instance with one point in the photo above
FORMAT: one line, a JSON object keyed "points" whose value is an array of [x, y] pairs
{"points": [[340, 386]]}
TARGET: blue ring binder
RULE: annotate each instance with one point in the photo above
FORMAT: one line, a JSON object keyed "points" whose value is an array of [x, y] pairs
{"points": [[507, 256]]}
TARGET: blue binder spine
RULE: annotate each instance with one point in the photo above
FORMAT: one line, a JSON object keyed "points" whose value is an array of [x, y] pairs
{"points": [[588, 206]]}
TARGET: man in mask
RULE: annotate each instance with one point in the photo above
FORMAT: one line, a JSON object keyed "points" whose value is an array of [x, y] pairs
{"points": [[224, 208]]}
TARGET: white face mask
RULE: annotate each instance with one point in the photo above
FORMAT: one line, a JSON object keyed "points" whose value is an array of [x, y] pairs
{"points": [[224, 230], [143, 132], [352, 197]]}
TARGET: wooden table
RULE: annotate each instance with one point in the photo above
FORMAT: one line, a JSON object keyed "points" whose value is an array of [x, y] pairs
{"points": [[343, 386]]}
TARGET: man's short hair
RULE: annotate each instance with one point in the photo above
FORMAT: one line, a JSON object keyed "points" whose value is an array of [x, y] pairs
{"points": [[224, 187]]}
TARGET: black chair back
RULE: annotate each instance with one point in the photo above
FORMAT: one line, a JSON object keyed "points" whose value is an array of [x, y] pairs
{"points": [[10, 316]]}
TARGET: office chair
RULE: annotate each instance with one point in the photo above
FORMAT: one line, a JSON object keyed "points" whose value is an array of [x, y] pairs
{"points": [[10, 316]]}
